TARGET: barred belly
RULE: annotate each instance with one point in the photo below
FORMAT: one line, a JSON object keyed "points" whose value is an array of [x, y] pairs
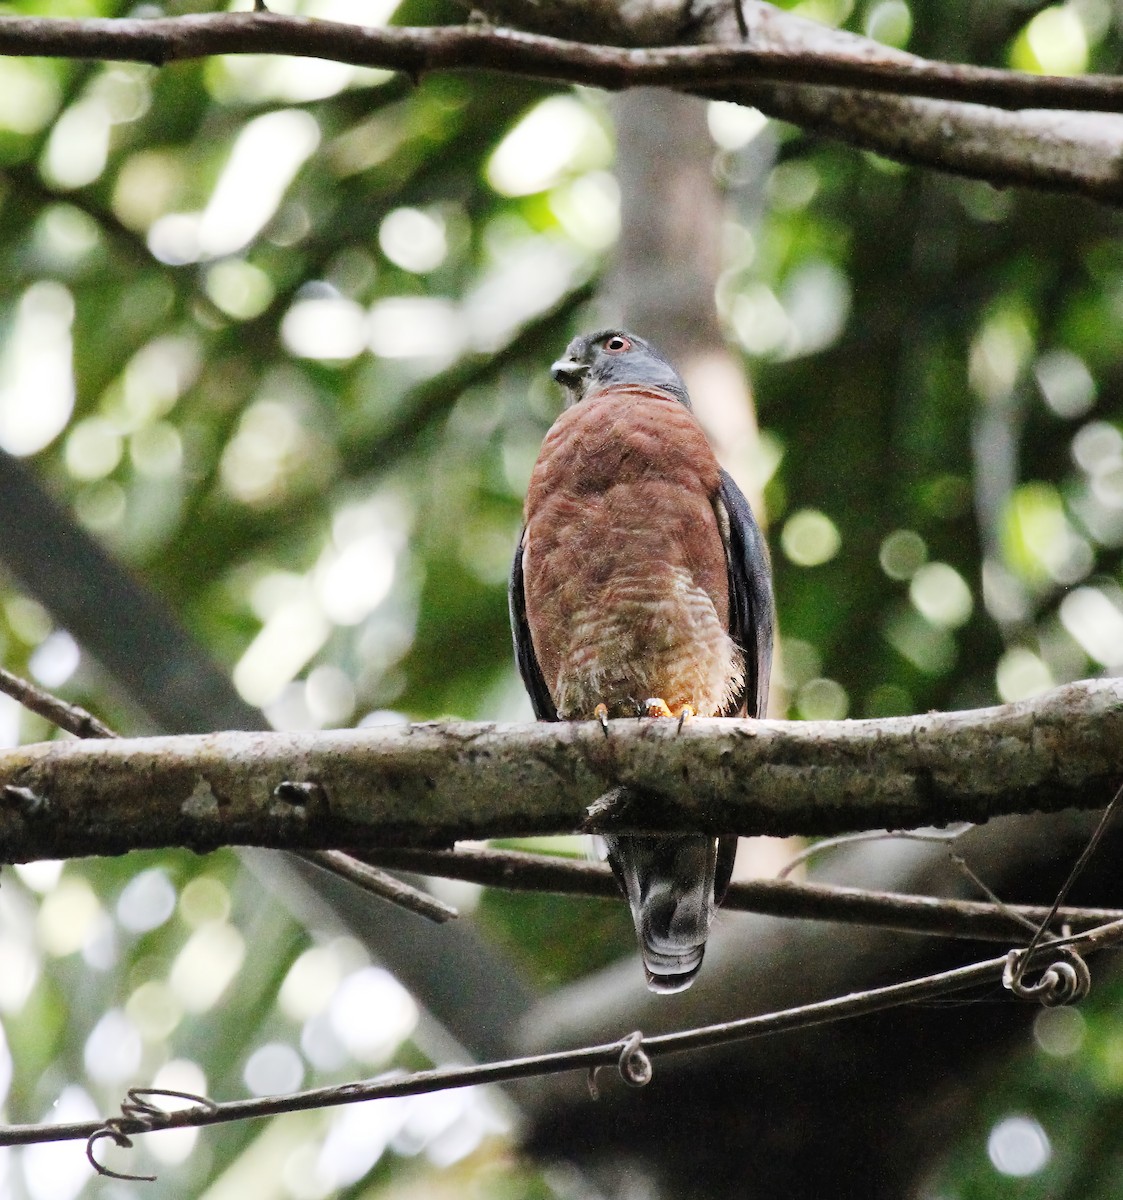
{"points": [[647, 635]]}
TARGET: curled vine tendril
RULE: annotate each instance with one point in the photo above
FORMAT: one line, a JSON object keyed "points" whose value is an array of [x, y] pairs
{"points": [[138, 1115], [1065, 980], [635, 1066], [633, 1063]]}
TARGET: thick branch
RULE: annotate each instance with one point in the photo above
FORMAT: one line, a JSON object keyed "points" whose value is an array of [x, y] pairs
{"points": [[1075, 152], [855, 62], [538, 872], [82, 724], [791, 68], [1058, 151], [433, 784]]}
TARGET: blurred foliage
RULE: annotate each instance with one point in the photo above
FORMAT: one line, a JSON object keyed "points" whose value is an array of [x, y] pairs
{"points": [[276, 331]]}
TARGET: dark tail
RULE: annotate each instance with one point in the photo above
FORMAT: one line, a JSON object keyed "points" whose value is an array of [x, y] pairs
{"points": [[673, 884]]}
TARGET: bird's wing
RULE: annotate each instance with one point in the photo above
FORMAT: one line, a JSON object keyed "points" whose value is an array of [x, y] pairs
{"points": [[751, 607], [540, 698]]}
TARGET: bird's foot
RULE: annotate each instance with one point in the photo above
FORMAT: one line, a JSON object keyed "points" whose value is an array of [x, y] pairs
{"points": [[656, 706], [601, 714]]}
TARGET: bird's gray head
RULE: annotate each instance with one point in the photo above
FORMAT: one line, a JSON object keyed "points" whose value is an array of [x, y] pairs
{"points": [[611, 358]]}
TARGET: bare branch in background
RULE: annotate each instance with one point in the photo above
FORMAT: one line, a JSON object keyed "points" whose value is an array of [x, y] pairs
{"points": [[417, 51], [68, 717], [379, 883], [773, 897], [816, 77]]}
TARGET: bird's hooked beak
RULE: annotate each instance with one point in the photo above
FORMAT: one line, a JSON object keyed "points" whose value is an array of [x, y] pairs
{"points": [[569, 372]]}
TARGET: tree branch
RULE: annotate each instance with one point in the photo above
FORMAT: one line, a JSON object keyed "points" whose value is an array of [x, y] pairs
{"points": [[976, 919], [816, 77], [434, 784], [852, 63], [75, 720], [512, 869], [1071, 152], [69, 717]]}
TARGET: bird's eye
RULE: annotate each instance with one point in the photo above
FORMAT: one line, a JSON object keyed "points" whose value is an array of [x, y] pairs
{"points": [[617, 344]]}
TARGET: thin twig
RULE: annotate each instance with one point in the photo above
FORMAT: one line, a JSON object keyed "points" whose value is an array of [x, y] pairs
{"points": [[871, 835], [801, 1017], [1066, 887], [69, 717], [520, 871], [78, 721], [1025, 922], [949, 835], [378, 883]]}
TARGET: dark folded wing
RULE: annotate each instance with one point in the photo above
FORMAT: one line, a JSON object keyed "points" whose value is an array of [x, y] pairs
{"points": [[751, 607], [529, 669]]}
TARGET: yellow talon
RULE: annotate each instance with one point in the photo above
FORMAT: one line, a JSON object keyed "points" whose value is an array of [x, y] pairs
{"points": [[656, 706]]}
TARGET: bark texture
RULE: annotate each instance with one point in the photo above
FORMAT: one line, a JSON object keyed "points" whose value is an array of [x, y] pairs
{"points": [[432, 784], [939, 115]]}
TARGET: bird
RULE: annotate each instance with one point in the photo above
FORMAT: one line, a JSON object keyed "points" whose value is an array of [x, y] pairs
{"points": [[642, 586]]}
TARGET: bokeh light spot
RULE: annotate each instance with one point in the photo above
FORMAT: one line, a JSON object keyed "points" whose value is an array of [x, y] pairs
{"points": [[19, 970], [556, 137], [325, 327], [902, 554], [1022, 674], [55, 659], [113, 1050], [1059, 1031], [240, 289], [68, 916], [29, 95], [372, 1014], [810, 538], [889, 22], [1018, 1146], [206, 965], [78, 148], [1096, 623], [146, 901], [36, 376], [734, 125], [1053, 43], [413, 239], [204, 899], [154, 1010], [1065, 382], [40, 876], [822, 700], [275, 1068], [941, 595]]}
